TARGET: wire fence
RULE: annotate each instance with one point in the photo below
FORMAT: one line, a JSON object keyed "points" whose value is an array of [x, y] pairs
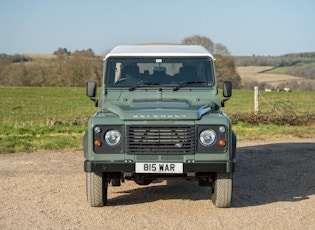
{"points": [[278, 108]]}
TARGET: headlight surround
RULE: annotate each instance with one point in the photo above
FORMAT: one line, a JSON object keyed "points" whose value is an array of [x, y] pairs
{"points": [[207, 137], [113, 137]]}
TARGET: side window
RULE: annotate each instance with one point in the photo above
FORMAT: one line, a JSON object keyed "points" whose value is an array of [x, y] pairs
{"points": [[111, 73], [118, 71], [200, 68], [204, 72]]}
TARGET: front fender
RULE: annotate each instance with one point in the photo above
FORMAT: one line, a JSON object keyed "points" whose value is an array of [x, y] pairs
{"points": [[85, 145], [234, 140]]}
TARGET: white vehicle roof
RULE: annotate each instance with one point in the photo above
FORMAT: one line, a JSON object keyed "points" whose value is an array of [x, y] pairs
{"points": [[159, 51]]}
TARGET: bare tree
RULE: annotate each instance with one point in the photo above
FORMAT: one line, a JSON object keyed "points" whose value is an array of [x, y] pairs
{"points": [[220, 49], [200, 40], [225, 66]]}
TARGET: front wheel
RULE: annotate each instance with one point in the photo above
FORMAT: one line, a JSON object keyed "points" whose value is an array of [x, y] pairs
{"points": [[222, 190], [96, 189]]}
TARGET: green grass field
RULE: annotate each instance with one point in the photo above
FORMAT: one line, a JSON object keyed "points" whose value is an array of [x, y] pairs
{"points": [[55, 118], [43, 118]]}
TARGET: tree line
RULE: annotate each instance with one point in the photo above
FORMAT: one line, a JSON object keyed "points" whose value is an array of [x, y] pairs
{"points": [[66, 68], [71, 69], [278, 61]]}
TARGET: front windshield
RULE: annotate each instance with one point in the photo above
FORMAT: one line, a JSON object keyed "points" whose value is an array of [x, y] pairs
{"points": [[130, 72]]}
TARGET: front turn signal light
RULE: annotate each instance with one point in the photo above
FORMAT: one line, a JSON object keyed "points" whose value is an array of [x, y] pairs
{"points": [[97, 143], [222, 143]]}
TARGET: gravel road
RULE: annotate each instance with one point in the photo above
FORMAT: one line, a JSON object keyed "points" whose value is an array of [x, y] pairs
{"points": [[274, 188]]}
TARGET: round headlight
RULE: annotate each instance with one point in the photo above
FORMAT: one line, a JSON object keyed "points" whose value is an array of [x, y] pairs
{"points": [[112, 137], [207, 137]]}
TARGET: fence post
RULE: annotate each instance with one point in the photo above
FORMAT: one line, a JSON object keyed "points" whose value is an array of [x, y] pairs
{"points": [[256, 103]]}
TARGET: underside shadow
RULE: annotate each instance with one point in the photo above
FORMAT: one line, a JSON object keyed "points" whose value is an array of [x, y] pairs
{"points": [[264, 174]]}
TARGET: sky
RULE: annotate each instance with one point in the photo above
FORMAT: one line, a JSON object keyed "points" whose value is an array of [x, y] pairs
{"points": [[245, 27]]}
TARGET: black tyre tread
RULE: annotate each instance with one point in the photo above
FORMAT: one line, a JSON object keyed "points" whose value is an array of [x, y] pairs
{"points": [[222, 194], [96, 189]]}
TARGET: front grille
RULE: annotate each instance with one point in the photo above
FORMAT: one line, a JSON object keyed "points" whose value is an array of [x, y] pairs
{"points": [[160, 139]]}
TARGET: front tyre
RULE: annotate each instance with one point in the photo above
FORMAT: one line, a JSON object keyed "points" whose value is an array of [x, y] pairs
{"points": [[222, 190], [96, 189]]}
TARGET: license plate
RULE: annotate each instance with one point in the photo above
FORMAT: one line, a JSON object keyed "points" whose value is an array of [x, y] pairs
{"points": [[159, 167]]}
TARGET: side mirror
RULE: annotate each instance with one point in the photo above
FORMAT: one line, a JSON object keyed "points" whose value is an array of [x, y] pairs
{"points": [[91, 89], [227, 92], [227, 89]]}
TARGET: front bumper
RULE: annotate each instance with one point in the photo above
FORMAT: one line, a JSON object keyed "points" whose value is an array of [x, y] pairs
{"points": [[92, 166]]}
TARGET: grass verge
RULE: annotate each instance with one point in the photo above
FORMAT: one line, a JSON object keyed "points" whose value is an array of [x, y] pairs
{"points": [[246, 132], [46, 137]]}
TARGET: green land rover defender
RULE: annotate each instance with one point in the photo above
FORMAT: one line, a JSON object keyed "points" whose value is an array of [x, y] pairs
{"points": [[158, 117]]}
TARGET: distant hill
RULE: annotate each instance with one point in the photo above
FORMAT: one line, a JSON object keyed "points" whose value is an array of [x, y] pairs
{"points": [[259, 76], [295, 64]]}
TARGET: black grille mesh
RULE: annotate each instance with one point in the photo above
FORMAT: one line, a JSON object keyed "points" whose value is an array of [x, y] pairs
{"points": [[161, 139]]}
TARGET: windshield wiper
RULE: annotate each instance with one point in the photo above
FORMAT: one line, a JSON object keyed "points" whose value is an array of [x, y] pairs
{"points": [[143, 83], [185, 83]]}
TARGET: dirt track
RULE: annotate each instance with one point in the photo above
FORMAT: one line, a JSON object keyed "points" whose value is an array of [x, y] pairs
{"points": [[274, 188]]}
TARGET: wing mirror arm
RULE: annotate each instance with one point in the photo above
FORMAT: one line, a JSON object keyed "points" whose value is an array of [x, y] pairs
{"points": [[91, 91], [95, 101], [223, 101]]}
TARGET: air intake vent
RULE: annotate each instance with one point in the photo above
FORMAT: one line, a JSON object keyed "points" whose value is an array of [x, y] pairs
{"points": [[161, 139]]}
